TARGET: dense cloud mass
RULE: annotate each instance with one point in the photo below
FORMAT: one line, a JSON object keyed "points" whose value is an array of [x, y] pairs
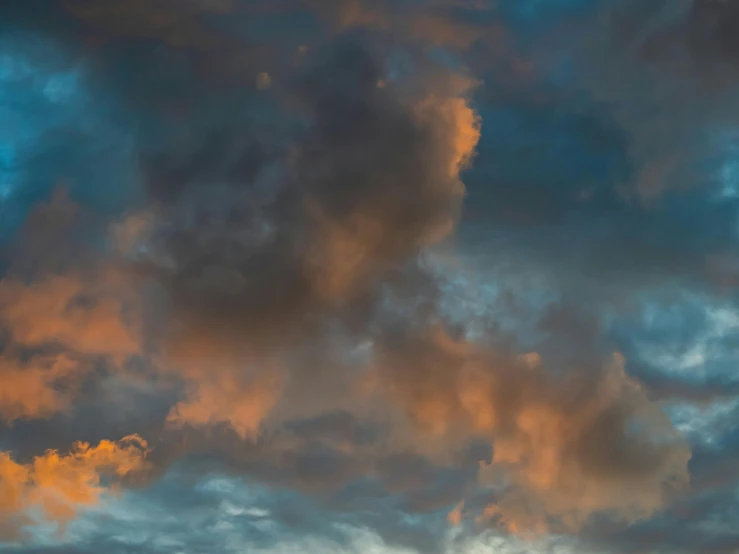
{"points": [[61, 484], [368, 276]]}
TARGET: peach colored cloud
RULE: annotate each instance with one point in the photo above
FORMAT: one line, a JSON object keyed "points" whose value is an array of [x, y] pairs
{"points": [[613, 452], [54, 487], [30, 389], [455, 516], [564, 449], [92, 315], [225, 397], [78, 317], [224, 384], [458, 123]]}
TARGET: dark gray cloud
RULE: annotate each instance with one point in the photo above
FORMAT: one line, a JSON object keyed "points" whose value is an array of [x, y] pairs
{"points": [[257, 271]]}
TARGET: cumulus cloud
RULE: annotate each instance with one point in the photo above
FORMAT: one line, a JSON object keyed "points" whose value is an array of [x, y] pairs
{"points": [[86, 317], [568, 447], [60, 485], [249, 273], [29, 388], [58, 316]]}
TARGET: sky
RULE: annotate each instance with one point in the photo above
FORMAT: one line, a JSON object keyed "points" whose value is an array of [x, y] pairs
{"points": [[369, 276]]}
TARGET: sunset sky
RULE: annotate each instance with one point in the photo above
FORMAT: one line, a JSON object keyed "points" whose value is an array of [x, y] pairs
{"points": [[369, 276]]}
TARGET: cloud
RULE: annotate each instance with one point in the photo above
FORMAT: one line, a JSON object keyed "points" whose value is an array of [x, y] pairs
{"points": [[226, 394], [591, 443], [704, 29], [58, 317], [29, 389], [174, 23], [282, 294], [60, 485], [84, 317], [261, 269]]}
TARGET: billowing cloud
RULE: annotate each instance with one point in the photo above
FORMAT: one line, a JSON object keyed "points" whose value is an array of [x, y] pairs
{"points": [[86, 317], [29, 388], [347, 208], [60, 485], [448, 271], [564, 450], [58, 317]]}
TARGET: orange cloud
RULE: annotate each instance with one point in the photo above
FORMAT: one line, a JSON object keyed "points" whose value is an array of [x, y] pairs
{"points": [[87, 315], [464, 125], [459, 128], [610, 452], [224, 385], [455, 516], [54, 487], [345, 254], [81, 316], [223, 398], [29, 389], [591, 444]]}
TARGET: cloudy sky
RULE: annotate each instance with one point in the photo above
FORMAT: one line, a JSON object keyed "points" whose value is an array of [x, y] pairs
{"points": [[369, 276]]}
